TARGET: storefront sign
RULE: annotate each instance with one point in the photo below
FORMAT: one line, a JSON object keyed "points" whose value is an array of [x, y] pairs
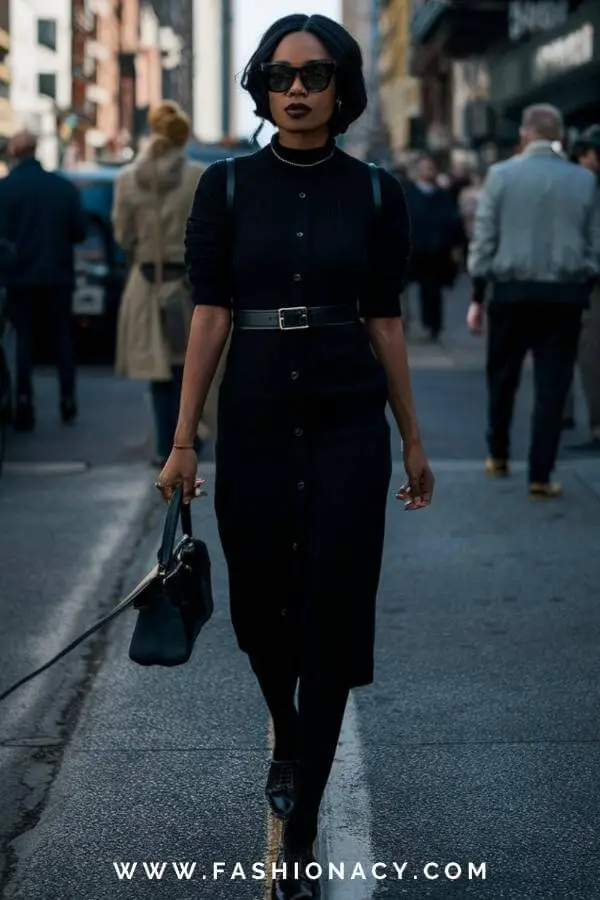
{"points": [[563, 54], [526, 17]]}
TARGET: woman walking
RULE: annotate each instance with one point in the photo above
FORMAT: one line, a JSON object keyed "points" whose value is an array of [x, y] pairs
{"points": [[152, 202], [309, 273]]}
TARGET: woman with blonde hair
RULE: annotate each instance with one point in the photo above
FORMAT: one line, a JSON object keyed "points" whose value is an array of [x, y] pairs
{"points": [[153, 198]]}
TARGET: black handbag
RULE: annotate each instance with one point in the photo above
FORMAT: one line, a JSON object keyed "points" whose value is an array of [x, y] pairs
{"points": [[174, 600], [175, 604]]}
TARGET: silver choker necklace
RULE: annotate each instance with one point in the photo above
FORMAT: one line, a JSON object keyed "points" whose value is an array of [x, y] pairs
{"points": [[302, 165]]}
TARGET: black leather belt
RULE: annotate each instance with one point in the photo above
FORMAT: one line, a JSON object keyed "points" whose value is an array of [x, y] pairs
{"points": [[293, 318]]}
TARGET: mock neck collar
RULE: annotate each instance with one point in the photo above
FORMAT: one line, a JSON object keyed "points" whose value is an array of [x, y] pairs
{"points": [[303, 157]]}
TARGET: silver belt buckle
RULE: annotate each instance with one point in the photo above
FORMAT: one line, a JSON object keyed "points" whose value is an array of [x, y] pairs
{"points": [[302, 314]]}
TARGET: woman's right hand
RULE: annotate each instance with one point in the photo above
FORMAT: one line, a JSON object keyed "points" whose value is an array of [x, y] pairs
{"points": [[180, 468]]}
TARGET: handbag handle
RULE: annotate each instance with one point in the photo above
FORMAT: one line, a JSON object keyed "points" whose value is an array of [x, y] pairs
{"points": [[177, 509]]}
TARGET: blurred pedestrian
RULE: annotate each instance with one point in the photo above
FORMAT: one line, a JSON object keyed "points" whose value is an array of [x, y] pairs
{"points": [[537, 240], [44, 220], [153, 198], [586, 152], [459, 178], [437, 236], [468, 199], [303, 451]]}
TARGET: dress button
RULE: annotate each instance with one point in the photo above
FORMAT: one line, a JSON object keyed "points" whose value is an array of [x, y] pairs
{"points": [[294, 375], [298, 432], [302, 195], [300, 485], [300, 234], [297, 277]]}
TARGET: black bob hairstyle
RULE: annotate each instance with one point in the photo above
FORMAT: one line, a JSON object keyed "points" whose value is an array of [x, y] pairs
{"points": [[344, 50]]}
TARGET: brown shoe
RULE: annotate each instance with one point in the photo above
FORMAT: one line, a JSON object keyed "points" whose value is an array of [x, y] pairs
{"points": [[539, 490], [497, 468]]}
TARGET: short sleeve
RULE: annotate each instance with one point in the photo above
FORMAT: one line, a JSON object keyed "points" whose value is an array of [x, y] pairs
{"points": [[207, 240], [389, 253]]}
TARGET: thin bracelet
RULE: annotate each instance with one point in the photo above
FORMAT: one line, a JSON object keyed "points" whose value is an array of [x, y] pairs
{"points": [[182, 447]]}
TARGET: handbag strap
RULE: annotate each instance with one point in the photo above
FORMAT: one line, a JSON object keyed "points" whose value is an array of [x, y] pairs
{"points": [[158, 260], [123, 604], [177, 510]]}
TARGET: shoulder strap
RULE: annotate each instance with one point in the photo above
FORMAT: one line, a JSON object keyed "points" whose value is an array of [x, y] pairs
{"points": [[376, 185], [230, 161], [158, 260]]}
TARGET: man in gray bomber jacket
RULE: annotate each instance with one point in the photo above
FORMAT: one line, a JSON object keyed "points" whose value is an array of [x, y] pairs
{"points": [[537, 242]]}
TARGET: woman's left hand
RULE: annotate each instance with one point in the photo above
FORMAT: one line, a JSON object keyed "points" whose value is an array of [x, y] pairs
{"points": [[418, 490]]}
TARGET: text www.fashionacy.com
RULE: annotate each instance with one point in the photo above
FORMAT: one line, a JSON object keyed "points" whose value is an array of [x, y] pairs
{"points": [[258, 871]]}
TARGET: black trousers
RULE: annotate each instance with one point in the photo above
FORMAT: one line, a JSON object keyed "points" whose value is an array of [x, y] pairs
{"points": [[53, 303], [551, 332], [432, 306]]}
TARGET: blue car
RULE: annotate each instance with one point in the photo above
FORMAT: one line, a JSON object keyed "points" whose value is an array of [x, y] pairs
{"points": [[100, 266]]}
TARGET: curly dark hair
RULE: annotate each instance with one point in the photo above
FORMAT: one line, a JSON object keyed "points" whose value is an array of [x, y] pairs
{"points": [[344, 50]]}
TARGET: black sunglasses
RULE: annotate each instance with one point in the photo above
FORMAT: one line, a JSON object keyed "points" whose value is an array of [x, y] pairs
{"points": [[315, 76]]}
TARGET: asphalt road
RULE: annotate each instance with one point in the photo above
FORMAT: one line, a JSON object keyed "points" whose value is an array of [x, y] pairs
{"points": [[477, 744]]}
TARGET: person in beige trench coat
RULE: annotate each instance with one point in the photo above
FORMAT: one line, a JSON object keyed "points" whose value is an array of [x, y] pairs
{"points": [[153, 198]]}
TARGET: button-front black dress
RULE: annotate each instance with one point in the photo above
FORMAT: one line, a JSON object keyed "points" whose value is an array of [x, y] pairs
{"points": [[303, 453]]}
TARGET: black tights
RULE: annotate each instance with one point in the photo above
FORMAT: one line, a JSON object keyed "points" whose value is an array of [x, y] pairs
{"points": [[308, 733]]}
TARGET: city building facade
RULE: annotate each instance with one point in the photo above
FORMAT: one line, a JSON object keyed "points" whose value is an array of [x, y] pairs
{"points": [[358, 18], [400, 91], [211, 90], [117, 76], [482, 64], [40, 70], [553, 59], [176, 18], [6, 118]]}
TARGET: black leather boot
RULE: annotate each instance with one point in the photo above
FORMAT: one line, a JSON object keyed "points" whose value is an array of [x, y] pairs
{"points": [[296, 885], [282, 786]]}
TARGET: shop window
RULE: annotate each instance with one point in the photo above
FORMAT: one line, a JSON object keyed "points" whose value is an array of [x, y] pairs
{"points": [[47, 84], [46, 33]]}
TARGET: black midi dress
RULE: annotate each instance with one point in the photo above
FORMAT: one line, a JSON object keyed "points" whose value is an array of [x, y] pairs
{"points": [[303, 445]]}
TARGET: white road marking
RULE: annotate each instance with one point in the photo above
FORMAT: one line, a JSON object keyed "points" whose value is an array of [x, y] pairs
{"points": [[345, 826], [75, 467], [64, 613]]}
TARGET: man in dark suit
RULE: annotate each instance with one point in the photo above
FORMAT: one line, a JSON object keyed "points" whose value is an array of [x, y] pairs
{"points": [[44, 219], [436, 236]]}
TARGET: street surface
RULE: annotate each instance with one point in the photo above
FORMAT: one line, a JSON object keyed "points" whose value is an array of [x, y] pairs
{"points": [[478, 743]]}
